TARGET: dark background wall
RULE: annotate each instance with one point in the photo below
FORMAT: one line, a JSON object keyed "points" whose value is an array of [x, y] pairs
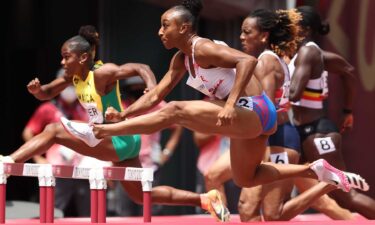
{"points": [[34, 31], [352, 35]]}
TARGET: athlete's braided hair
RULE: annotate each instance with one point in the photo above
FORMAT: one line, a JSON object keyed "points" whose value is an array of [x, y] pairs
{"points": [[283, 29]]}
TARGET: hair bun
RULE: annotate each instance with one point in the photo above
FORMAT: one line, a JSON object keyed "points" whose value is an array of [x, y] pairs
{"points": [[89, 33], [324, 29], [194, 6]]}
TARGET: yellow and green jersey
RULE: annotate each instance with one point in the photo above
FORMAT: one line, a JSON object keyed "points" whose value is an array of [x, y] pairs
{"points": [[95, 104]]}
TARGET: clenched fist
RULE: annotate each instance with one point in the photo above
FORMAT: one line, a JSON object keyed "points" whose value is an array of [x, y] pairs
{"points": [[34, 86], [112, 115]]}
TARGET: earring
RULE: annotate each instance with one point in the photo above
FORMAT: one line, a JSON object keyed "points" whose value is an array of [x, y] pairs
{"points": [[80, 62]]}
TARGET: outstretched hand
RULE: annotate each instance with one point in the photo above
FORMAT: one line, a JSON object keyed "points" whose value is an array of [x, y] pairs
{"points": [[226, 116], [112, 115], [34, 86]]}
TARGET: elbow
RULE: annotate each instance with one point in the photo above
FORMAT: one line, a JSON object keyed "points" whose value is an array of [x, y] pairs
{"points": [[351, 71], [145, 67], [252, 61], [151, 98], [155, 99], [149, 76], [293, 97], [41, 97], [247, 63]]}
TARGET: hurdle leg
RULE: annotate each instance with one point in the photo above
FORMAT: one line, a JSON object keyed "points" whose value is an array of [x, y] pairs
{"points": [[146, 188], [50, 204], [46, 193], [98, 186], [2, 202], [42, 203], [102, 205], [147, 206], [94, 205]]}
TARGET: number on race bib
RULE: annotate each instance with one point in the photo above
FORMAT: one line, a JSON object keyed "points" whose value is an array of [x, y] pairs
{"points": [[324, 145], [280, 158], [245, 102]]}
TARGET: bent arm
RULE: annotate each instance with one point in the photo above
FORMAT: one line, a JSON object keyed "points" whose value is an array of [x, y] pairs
{"points": [[134, 69], [50, 90], [307, 59], [210, 54], [336, 64], [269, 75], [163, 88]]}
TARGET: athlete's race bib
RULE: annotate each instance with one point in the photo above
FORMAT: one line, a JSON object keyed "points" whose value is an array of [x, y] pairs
{"points": [[245, 102], [95, 115], [279, 158], [324, 145]]}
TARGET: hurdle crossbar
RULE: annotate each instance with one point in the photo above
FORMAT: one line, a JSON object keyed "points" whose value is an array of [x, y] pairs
{"points": [[47, 173]]}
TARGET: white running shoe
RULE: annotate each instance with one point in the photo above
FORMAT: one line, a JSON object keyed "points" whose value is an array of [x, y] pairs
{"points": [[82, 131], [356, 181], [6, 159], [330, 174]]}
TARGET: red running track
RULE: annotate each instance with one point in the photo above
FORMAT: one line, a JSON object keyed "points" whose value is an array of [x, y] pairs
{"points": [[309, 219]]}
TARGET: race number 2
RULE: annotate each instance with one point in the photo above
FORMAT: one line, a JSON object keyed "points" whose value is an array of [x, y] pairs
{"points": [[246, 102]]}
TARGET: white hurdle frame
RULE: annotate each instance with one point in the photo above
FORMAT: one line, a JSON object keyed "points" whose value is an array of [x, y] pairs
{"points": [[97, 177]]}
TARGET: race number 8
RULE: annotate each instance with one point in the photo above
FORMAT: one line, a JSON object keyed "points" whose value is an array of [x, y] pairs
{"points": [[324, 145]]}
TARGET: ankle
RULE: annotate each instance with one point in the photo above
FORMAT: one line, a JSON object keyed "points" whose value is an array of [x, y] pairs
{"points": [[204, 201]]}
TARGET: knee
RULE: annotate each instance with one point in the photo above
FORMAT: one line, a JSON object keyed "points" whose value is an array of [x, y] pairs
{"points": [[243, 183], [246, 180], [53, 128], [243, 208], [170, 110], [248, 212], [271, 216], [211, 177]]}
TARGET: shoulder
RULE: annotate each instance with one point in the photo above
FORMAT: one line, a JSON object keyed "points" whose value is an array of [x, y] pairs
{"points": [[105, 69], [206, 45], [268, 58], [178, 60], [308, 54], [268, 62]]}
